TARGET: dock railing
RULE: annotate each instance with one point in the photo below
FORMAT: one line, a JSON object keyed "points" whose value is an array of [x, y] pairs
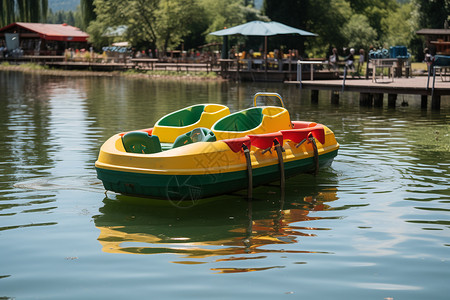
{"points": [[311, 63]]}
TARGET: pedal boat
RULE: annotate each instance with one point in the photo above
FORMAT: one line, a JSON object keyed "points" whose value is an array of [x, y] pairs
{"points": [[203, 150]]}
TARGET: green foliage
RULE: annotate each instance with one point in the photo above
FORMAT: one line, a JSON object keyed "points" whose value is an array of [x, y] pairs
{"points": [[325, 18], [433, 13], [168, 73], [335, 12], [138, 15], [358, 32], [96, 32], [295, 13], [68, 17], [22, 11], [401, 25], [32, 66], [166, 24], [88, 12], [375, 11], [7, 12], [173, 21], [173, 24], [221, 14], [26, 66], [355, 23]]}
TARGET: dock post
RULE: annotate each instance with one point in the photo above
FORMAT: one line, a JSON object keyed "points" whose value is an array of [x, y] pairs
{"points": [[378, 99], [299, 73], [365, 99], [314, 96], [424, 102], [392, 98], [345, 76], [436, 102], [335, 97]]}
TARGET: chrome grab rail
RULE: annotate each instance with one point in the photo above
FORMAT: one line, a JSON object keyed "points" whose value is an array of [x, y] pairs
{"points": [[268, 95]]}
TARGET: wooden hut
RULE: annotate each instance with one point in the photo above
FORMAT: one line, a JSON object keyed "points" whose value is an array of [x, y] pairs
{"points": [[42, 39], [437, 40]]}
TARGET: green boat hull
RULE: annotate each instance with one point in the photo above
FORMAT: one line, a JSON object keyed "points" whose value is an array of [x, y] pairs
{"points": [[192, 187]]}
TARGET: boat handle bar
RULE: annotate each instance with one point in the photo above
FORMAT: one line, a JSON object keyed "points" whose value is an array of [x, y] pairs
{"points": [[269, 95]]}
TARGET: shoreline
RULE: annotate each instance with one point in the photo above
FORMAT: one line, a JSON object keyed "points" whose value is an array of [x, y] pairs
{"points": [[37, 69]]}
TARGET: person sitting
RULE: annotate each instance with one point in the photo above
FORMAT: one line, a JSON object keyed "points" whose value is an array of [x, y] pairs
{"points": [[360, 62], [349, 60], [334, 59], [428, 57]]}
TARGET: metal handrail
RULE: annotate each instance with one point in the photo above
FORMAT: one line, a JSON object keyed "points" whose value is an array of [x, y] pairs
{"points": [[268, 95]]}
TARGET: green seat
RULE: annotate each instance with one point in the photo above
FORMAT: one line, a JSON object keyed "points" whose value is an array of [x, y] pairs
{"points": [[240, 121], [197, 135], [141, 142], [183, 117]]}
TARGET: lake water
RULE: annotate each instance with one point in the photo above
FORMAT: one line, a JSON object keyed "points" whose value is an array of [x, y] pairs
{"points": [[375, 225]]}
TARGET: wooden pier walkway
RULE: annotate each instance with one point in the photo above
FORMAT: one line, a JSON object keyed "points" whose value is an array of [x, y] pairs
{"points": [[414, 85], [371, 93]]}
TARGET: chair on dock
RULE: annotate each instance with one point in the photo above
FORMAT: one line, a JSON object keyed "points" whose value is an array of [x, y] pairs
{"points": [[440, 62]]}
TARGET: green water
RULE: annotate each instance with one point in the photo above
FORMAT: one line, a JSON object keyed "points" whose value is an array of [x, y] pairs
{"points": [[375, 225]]}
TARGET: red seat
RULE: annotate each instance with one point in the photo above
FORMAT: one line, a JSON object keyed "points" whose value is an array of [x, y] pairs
{"points": [[236, 144], [264, 141], [298, 135]]}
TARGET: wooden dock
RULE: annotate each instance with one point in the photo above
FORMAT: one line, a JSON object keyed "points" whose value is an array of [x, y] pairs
{"points": [[256, 75], [257, 70], [371, 93]]}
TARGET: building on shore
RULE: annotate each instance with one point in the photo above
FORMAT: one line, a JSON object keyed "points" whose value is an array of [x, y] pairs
{"points": [[437, 40], [42, 39]]}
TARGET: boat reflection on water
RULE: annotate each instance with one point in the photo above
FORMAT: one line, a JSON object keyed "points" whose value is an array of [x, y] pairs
{"points": [[232, 227]]}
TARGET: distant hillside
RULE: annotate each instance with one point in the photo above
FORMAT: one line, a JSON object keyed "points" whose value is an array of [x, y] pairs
{"points": [[57, 5]]}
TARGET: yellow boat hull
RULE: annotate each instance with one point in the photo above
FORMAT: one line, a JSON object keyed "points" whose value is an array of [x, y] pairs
{"points": [[202, 169]]}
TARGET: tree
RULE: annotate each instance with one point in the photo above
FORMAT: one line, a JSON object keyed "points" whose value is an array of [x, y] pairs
{"points": [[137, 15], [7, 12], [68, 17], [433, 13], [375, 11], [401, 25], [174, 20], [221, 14], [22, 10], [295, 13], [359, 33], [150, 23], [325, 18], [328, 21], [88, 12]]}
